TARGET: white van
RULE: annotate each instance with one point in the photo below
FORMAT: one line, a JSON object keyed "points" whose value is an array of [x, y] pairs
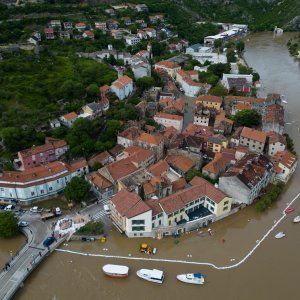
{"points": [[57, 211], [9, 207], [106, 209]]}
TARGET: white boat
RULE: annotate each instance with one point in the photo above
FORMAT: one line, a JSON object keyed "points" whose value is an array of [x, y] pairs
{"points": [[154, 275], [296, 219], [280, 235], [194, 278], [115, 270], [283, 101]]}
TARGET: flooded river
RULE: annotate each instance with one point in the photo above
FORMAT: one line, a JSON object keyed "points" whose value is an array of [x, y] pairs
{"points": [[272, 272]]}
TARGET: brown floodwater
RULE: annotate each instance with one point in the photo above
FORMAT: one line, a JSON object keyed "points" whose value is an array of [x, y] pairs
{"points": [[272, 272]]}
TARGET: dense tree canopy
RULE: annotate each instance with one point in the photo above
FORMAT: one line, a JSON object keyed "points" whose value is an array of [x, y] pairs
{"points": [[247, 117], [77, 190], [8, 225]]}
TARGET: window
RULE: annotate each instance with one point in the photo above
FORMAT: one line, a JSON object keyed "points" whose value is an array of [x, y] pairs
{"points": [[226, 202], [170, 216], [32, 193], [159, 222], [169, 223], [50, 188], [138, 228], [225, 208], [153, 218], [138, 222], [2, 189], [57, 181], [42, 191], [160, 215]]}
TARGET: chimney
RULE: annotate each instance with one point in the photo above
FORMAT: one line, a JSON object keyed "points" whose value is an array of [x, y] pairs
{"points": [[120, 73]]}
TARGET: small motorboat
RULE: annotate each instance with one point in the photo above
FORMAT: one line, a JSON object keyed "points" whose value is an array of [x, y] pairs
{"points": [[283, 101], [289, 210], [154, 275], [296, 219], [280, 235], [193, 278], [117, 271]]}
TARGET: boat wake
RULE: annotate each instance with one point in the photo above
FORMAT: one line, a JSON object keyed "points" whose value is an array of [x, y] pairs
{"points": [[258, 243]]}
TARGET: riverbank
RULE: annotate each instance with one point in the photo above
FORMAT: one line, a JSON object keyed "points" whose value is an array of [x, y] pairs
{"points": [[261, 277]]}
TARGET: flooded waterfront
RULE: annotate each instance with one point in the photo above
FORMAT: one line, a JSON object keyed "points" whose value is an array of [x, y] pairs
{"points": [[270, 273]]}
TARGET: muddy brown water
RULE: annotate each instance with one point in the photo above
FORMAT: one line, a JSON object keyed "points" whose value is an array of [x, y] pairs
{"points": [[272, 272]]}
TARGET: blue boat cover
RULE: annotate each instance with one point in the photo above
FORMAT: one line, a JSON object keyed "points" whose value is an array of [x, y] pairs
{"points": [[197, 275]]}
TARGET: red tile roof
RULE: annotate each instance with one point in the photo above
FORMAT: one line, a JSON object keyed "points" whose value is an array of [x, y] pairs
{"points": [[180, 162], [167, 64], [286, 158], [101, 157], [162, 115], [253, 134], [131, 133], [209, 98], [138, 154], [122, 81], [178, 184], [70, 116], [129, 204], [121, 168], [159, 168], [99, 180], [150, 138]]}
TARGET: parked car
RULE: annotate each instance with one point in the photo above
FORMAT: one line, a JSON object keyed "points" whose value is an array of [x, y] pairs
{"points": [[23, 224], [48, 241], [9, 207], [106, 209], [35, 209]]}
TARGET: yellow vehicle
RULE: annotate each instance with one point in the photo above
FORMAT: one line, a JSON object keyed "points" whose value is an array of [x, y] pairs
{"points": [[145, 248]]}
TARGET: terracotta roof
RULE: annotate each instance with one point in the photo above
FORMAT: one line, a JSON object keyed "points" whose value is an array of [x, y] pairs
{"points": [[222, 118], [80, 24], [70, 116], [104, 88], [121, 168], [154, 205], [150, 138], [241, 106], [253, 134], [159, 168], [116, 150], [211, 191], [180, 162], [209, 98], [286, 158], [148, 188], [89, 33], [129, 204], [178, 184], [101, 157], [241, 99], [167, 64], [138, 154], [51, 144], [250, 169], [162, 115], [192, 72], [49, 30], [41, 174], [122, 81], [275, 137], [99, 180], [131, 133], [198, 130], [274, 114], [217, 164]]}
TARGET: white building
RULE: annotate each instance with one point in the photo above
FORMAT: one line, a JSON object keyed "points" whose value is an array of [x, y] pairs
{"points": [[151, 32], [255, 140], [276, 143], [69, 119], [39, 182], [285, 164], [122, 87], [169, 120], [132, 40]]}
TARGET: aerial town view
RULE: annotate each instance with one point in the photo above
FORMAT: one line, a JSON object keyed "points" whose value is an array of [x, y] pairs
{"points": [[149, 149]]}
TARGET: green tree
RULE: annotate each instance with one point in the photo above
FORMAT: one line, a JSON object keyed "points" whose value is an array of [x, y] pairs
{"points": [[218, 43], [240, 46], [219, 69], [219, 90], [13, 138], [77, 190], [244, 70], [8, 225], [92, 90], [247, 117], [96, 166], [145, 82], [231, 56]]}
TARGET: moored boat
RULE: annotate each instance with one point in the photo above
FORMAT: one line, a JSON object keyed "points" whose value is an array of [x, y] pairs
{"points": [[296, 219], [193, 278], [280, 235], [289, 210], [118, 271], [154, 275]]}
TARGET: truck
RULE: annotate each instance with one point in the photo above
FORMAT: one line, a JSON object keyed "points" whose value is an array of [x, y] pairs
{"points": [[51, 213]]}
